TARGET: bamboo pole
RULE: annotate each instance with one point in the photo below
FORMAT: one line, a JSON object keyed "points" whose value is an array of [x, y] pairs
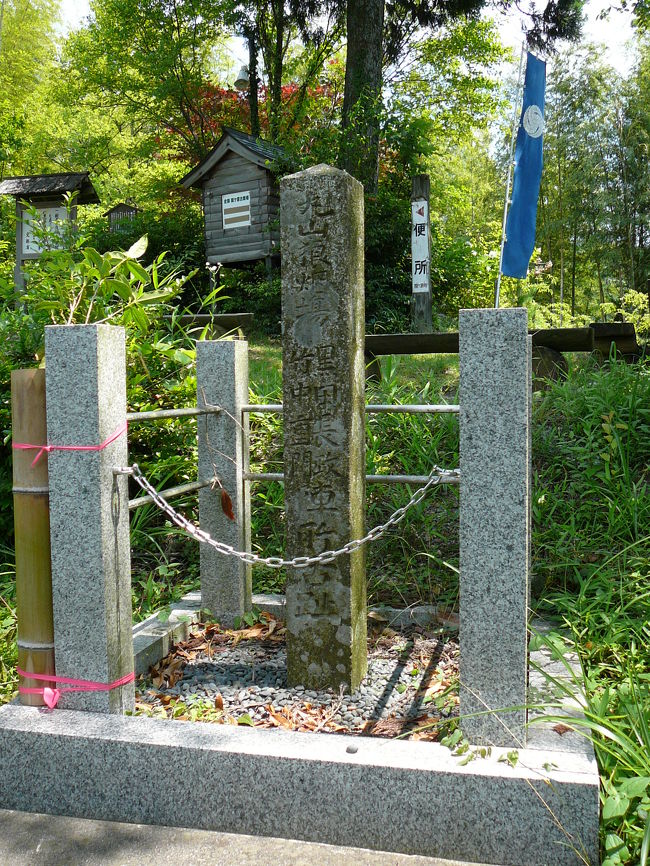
{"points": [[32, 532]]}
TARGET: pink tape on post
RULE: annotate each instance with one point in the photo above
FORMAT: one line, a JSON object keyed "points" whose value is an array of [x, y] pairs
{"points": [[46, 449], [51, 696]]}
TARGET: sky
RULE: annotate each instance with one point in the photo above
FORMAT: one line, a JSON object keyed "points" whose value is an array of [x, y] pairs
{"points": [[73, 12], [614, 32]]}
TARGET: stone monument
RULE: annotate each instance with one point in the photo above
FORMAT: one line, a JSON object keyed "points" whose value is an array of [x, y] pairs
{"points": [[323, 386]]}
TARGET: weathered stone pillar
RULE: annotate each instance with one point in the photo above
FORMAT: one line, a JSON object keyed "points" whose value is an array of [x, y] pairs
{"points": [[89, 513], [222, 380], [323, 385], [495, 401]]}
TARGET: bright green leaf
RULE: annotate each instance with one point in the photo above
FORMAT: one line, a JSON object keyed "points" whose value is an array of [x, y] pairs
{"points": [[635, 787], [139, 248], [615, 805], [138, 272]]}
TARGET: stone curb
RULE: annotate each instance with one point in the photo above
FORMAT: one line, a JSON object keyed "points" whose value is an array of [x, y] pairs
{"points": [[36, 839]]}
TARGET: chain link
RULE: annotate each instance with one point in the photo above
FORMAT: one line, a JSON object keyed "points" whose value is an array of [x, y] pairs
{"points": [[435, 477]]}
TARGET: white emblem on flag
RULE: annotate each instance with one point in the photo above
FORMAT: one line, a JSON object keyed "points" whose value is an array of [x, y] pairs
{"points": [[534, 121]]}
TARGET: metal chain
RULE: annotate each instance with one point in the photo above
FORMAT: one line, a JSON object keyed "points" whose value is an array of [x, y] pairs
{"points": [[435, 477]]}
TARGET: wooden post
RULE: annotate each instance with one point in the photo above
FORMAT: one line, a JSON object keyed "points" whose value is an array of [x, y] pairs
{"points": [[32, 531], [19, 279], [421, 309]]}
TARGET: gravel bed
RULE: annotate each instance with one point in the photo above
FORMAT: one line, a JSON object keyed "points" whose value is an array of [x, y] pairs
{"points": [[411, 676]]}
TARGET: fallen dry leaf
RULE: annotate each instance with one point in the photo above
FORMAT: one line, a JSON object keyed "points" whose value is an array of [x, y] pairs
{"points": [[435, 688], [167, 672], [385, 727], [561, 729], [426, 728], [226, 505], [218, 701]]}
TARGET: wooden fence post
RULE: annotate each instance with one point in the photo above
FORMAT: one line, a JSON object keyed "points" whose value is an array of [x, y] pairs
{"points": [[31, 532]]}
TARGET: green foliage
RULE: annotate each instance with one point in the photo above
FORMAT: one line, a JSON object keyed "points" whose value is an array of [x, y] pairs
{"points": [[175, 240], [606, 621], [112, 286], [256, 291], [159, 586], [635, 308], [450, 83], [462, 273], [158, 80], [388, 265], [8, 650], [26, 46], [592, 451]]}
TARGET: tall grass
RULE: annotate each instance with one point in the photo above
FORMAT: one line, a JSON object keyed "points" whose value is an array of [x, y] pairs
{"points": [[591, 543], [8, 651]]}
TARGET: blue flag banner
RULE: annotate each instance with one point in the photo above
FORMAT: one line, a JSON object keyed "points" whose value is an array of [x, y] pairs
{"points": [[522, 215]]}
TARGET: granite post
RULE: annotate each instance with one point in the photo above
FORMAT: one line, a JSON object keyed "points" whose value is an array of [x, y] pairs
{"points": [[321, 215], [495, 400], [222, 380], [89, 514]]}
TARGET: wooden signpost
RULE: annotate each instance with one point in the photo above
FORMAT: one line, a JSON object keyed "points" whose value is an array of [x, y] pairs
{"points": [[421, 312]]}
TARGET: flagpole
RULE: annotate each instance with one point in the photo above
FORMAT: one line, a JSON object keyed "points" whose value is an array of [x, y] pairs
{"points": [[513, 137]]}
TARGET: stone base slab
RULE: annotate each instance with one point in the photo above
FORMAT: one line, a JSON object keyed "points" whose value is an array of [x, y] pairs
{"points": [[35, 839], [407, 797]]}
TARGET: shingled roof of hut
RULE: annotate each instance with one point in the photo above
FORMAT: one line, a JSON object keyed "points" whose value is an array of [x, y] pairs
{"points": [[259, 151], [44, 186]]}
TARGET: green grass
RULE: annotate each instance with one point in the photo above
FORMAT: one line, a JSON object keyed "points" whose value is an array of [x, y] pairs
{"points": [[8, 651], [591, 549]]}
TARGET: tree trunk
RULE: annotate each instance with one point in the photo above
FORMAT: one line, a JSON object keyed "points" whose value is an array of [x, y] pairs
{"points": [[573, 269], [275, 75], [253, 83], [359, 152]]}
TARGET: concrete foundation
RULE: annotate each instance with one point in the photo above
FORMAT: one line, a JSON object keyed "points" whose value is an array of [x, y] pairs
{"points": [[408, 797]]}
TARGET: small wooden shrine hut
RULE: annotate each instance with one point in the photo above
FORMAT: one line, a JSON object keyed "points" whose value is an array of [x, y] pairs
{"points": [[241, 200], [120, 216]]}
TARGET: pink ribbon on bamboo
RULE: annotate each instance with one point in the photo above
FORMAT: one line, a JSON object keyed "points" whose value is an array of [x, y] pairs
{"points": [[46, 449], [51, 696]]}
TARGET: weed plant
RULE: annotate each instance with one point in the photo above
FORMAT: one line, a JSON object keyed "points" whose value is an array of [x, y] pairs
{"points": [[591, 544], [591, 450], [8, 649]]}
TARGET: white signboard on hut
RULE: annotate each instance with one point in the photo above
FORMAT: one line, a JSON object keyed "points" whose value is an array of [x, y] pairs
{"points": [[236, 210], [420, 255], [44, 230]]}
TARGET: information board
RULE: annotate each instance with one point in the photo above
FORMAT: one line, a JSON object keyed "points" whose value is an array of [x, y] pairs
{"points": [[236, 210], [420, 256], [46, 219]]}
